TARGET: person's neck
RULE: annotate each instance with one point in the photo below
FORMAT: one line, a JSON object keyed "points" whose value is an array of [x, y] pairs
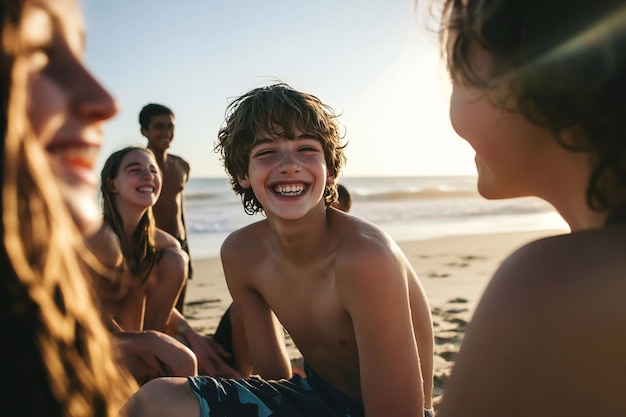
{"points": [[301, 240], [567, 191], [159, 155], [579, 216], [130, 219]]}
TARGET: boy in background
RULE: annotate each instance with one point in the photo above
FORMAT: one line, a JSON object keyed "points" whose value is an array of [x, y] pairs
{"points": [[339, 285], [344, 199], [157, 125]]}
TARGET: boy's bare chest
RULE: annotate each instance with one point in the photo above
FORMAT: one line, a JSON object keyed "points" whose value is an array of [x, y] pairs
{"points": [[173, 180], [305, 300]]}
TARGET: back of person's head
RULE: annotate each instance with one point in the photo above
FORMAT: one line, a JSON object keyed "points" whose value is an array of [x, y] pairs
{"points": [[562, 64], [141, 252], [281, 110], [344, 199], [151, 110], [55, 347]]}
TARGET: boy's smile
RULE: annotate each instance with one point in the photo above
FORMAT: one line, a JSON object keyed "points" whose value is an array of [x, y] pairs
{"points": [[160, 132], [289, 189], [288, 176]]}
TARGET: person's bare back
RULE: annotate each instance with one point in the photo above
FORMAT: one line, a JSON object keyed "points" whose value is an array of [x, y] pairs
{"points": [[566, 293]]}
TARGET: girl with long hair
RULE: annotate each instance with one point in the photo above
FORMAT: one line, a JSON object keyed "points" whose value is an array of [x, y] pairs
{"points": [[57, 358], [149, 266]]}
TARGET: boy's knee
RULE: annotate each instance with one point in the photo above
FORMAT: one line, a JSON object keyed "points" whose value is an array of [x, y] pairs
{"points": [[162, 397], [144, 401]]}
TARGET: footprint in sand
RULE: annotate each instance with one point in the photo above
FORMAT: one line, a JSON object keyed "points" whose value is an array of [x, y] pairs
{"points": [[438, 275], [461, 324], [448, 355], [202, 302], [455, 311], [458, 264], [447, 337], [472, 258]]}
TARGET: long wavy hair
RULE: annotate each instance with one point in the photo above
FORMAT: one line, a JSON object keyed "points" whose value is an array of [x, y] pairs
{"points": [[277, 106], [564, 65], [55, 348], [140, 253]]}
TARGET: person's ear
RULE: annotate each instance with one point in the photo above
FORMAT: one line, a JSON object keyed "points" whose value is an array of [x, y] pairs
{"points": [[111, 185], [243, 181], [144, 132]]}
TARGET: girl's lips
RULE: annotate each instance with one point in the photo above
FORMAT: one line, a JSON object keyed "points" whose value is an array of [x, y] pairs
{"points": [[72, 154], [146, 189], [74, 164]]}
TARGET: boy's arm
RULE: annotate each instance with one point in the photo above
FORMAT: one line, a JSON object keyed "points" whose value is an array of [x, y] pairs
{"points": [[268, 353], [209, 353], [264, 332], [187, 170], [374, 289]]}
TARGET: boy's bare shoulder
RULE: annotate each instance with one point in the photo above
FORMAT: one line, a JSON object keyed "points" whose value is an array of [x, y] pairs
{"points": [[364, 246], [567, 259], [247, 242], [359, 235], [179, 162], [570, 268]]}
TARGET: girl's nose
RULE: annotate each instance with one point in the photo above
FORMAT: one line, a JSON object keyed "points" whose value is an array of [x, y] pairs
{"points": [[148, 174], [92, 101]]}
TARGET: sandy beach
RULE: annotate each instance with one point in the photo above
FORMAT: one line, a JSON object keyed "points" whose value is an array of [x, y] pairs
{"points": [[453, 270]]}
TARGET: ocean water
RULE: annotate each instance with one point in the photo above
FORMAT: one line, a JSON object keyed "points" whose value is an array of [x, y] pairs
{"points": [[408, 208]]}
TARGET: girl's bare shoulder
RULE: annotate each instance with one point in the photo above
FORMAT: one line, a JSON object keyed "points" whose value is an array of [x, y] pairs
{"points": [[105, 245], [164, 240]]}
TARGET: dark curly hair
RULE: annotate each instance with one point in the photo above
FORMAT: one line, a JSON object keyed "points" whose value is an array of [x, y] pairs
{"points": [[277, 106], [564, 63]]}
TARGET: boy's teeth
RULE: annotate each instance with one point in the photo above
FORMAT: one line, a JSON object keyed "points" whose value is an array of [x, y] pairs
{"points": [[289, 189]]}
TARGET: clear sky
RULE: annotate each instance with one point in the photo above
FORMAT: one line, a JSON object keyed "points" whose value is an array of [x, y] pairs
{"points": [[372, 60]]}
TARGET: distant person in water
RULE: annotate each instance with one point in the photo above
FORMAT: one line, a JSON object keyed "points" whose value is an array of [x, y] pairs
{"points": [[339, 285], [344, 199], [157, 125]]}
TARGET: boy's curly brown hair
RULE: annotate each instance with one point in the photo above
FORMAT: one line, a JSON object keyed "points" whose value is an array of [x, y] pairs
{"points": [[278, 109]]}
